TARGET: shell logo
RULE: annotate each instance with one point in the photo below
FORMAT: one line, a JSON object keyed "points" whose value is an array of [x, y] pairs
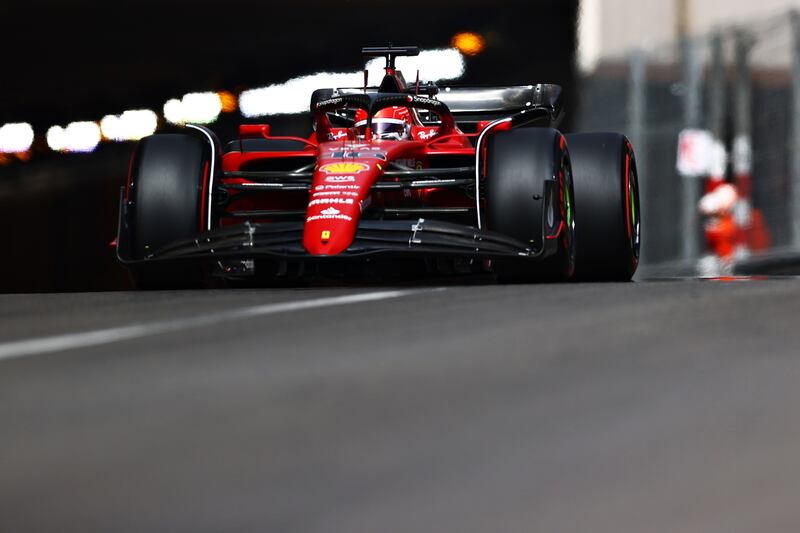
{"points": [[344, 168]]}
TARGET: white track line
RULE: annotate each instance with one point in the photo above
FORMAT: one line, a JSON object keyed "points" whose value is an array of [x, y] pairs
{"points": [[71, 341]]}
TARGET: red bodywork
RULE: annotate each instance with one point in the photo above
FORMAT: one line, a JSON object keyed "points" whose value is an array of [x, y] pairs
{"points": [[344, 173]]}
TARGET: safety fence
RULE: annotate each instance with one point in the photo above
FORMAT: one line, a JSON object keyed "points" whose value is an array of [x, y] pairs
{"points": [[715, 120]]}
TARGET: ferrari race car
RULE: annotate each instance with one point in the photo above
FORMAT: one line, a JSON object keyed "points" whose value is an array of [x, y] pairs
{"points": [[459, 179]]}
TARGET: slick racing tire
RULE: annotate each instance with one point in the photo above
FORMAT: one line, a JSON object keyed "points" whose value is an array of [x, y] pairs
{"points": [[169, 178], [518, 162], [607, 190]]}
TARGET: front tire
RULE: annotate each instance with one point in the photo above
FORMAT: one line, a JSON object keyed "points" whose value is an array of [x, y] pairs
{"points": [[518, 164], [607, 189], [169, 178]]}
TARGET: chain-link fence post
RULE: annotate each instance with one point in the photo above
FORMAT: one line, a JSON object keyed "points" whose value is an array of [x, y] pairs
{"points": [[743, 113], [717, 97], [794, 137], [636, 127], [692, 94]]}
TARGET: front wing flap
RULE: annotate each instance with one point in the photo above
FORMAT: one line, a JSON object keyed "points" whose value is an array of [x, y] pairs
{"points": [[380, 237]]}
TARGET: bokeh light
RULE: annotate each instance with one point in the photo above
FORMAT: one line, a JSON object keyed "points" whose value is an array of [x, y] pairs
{"points": [[228, 101], [16, 138], [469, 43], [129, 126], [196, 108], [78, 137]]}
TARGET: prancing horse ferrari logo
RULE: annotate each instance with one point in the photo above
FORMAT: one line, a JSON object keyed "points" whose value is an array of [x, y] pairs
{"points": [[344, 168]]}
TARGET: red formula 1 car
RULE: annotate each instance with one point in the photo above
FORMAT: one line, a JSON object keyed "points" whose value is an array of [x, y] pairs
{"points": [[468, 179]]}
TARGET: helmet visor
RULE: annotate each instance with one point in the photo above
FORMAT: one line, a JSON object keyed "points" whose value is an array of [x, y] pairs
{"points": [[385, 128]]}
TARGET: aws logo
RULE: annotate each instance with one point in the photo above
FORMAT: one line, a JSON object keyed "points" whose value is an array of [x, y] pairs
{"points": [[340, 179], [344, 168]]}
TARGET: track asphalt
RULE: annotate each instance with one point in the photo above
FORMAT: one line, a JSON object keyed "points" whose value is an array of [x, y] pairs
{"points": [[656, 406]]}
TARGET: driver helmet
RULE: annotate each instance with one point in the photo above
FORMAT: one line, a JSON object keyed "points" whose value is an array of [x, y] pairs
{"points": [[389, 123]]}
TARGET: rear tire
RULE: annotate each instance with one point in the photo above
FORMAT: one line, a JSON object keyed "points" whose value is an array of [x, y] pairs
{"points": [[169, 175], [518, 164], [607, 189]]}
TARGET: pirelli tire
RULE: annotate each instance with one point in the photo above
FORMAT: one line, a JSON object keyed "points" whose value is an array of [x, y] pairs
{"points": [[607, 191], [167, 202], [518, 163]]}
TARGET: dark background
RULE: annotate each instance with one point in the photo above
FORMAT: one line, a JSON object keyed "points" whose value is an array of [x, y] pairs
{"points": [[81, 60]]}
